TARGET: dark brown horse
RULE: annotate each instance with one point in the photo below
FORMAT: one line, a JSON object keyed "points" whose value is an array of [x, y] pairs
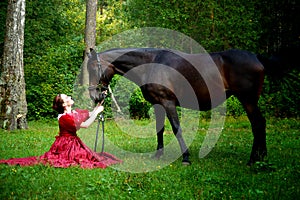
{"points": [[170, 78]]}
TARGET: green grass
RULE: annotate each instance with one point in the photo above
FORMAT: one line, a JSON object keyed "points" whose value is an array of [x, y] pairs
{"points": [[222, 174]]}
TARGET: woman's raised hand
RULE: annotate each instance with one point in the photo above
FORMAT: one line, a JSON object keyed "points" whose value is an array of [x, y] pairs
{"points": [[99, 108]]}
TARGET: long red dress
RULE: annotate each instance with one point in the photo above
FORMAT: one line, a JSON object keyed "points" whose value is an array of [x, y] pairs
{"points": [[68, 149]]}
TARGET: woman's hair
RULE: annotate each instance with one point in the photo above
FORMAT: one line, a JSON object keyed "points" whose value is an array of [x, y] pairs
{"points": [[58, 104]]}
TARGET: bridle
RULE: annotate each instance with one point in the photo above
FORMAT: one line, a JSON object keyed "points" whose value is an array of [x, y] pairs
{"points": [[100, 73]]}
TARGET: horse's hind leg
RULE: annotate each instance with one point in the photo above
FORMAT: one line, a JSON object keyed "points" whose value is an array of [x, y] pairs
{"points": [[160, 115], [258, 123], [174, 120]]}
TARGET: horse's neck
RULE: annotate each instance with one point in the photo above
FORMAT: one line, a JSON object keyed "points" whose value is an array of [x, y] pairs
{"points": [[126, 60], [130, 63]]}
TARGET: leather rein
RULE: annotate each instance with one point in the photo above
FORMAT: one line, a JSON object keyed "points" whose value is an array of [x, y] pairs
{"points": [[100, 117]]}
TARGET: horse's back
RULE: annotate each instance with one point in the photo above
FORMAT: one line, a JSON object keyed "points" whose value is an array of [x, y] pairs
{"points": [[242, 72], [242, 59], [191, 76]]}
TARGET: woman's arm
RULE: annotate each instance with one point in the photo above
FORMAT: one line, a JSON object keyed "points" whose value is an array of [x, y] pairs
{"points": [[99, 104], [92, 113], [98, 109]]}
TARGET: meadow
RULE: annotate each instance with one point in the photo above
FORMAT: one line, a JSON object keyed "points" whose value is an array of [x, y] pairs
{"points": [[222, 174]]}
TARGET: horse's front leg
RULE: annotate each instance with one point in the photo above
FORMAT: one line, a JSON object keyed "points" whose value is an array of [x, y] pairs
{"points": [[174, 120], [160, 115]]}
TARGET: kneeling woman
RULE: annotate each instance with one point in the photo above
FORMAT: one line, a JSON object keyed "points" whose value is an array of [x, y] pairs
{"points": [[68, 149]]}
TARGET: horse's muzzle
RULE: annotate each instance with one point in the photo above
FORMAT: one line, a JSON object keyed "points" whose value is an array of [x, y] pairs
{"points": [[102, 96], [97, 96]]}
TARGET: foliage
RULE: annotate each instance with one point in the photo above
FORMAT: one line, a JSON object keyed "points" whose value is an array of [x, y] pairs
{"points": [[279, 29], [219, 25], [222, 174], [139, 107], [45, 78], [54, 34], [111, 19], [52, 23], [215, 25], [234, 107], [280, 97], [129, 98], [53, 52]]}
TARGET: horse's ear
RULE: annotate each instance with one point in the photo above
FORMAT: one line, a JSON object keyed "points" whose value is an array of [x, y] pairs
{"points": [[92, 53], [89, 55]]}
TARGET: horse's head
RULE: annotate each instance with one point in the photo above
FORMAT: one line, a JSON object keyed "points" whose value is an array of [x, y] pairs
{"points": [[100, 73]]}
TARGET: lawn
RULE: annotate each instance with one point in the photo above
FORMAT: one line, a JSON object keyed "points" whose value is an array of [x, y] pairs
{"points": [[222, 174]]}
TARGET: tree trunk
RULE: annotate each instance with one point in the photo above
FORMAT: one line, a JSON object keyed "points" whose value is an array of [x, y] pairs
{"points": [[13, 105], [89, 37], [81, 92]]}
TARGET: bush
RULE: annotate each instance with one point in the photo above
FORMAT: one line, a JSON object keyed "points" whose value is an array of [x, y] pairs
{"points": [[280, 97], [234, 107], [139, 107], [129, 98], [48, 75]]}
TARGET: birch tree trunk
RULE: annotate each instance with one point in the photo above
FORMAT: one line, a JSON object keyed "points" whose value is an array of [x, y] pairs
{"points": [[13, 105]]}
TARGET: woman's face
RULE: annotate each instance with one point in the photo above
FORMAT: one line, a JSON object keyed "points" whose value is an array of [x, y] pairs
{"points": [[67, 100]]}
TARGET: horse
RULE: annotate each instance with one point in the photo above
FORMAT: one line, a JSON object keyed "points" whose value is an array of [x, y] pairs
{"points": [[236, 72]]}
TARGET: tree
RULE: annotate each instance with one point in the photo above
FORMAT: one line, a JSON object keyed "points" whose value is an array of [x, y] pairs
{"points": [[12, 84], [90, 36], [80, 92]]}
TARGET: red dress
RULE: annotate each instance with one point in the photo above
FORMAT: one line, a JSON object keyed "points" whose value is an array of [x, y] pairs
{"points": [[68, 149]]}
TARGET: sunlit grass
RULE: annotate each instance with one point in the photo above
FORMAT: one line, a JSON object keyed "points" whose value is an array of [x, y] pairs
{"points": [[222, 174]]}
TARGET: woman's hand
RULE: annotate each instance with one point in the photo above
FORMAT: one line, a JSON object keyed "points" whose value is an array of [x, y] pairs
{"points": [[99, 108]]}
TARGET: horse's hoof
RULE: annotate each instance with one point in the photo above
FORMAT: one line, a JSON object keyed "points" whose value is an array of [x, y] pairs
{"points": [[186, 163], [158, 154], [258, 157], [155, 157]]}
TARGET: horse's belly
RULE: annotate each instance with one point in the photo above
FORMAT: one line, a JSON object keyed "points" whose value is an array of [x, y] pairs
{"points": [[202, 97]]}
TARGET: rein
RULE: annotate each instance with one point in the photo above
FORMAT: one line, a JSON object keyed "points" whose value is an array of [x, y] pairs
{"points": [[100, 119], [100, 116]]}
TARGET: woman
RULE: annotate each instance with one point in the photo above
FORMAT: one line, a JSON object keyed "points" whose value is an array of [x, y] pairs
{"points": [[68, 149]]}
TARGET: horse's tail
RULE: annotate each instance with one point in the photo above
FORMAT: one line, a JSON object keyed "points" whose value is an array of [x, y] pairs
{"points": [[272, 65], [281, 63]]}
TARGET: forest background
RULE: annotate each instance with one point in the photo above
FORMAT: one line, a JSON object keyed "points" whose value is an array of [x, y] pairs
{"points": [[54, 42]]}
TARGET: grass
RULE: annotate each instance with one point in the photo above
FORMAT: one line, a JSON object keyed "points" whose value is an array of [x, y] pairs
{"points": [[222, 174]]}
